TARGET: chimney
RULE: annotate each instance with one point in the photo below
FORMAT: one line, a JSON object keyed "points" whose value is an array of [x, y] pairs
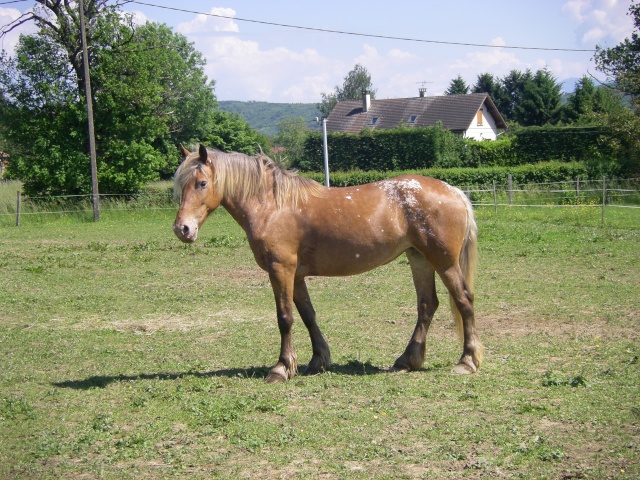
{"points": [[422, 91], [366, 100]]}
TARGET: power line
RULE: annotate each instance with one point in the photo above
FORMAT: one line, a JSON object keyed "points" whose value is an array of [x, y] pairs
{"points": [[369, 35]]}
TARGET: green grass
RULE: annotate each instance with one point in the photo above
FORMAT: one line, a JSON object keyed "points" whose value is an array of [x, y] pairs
{"points": [[126, 354]]}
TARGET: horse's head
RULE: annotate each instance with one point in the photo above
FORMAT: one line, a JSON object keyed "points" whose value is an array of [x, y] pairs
{"points": [[194, 180]]}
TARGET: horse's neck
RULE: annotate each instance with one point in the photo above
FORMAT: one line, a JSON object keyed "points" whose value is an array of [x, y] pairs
{"points": [[251, 212]]}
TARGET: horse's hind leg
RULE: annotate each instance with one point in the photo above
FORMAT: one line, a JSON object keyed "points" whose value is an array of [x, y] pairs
{"points": [[321, 359], [462, 300], [424, 282]]}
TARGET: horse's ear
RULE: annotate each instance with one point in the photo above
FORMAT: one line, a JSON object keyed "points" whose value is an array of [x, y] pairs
{"points": [[204, 155], [185, 153]]}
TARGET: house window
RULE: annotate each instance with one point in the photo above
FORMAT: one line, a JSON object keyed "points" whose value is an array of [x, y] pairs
{"points": [[412, 119], [373, 121], [480, 117]]}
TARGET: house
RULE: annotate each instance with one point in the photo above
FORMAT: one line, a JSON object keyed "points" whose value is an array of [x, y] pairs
{"points": [[473, 115]]}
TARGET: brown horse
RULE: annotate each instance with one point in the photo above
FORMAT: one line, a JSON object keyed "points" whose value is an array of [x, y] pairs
{"points": [[298, 228]]}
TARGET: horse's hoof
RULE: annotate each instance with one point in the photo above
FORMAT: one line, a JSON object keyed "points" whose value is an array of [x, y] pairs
{"points": [[396, 369], [311, 371], [275, 378], [463, 369]]}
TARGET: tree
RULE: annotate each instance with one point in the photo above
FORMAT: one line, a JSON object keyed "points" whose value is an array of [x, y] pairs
{"points": [[292, 133], [487, 83], [230, 132], [513, 85], [622, 65], [356, 81], [580, 104], [149, 94], [622, 62], [457, 87], [541, 100]]}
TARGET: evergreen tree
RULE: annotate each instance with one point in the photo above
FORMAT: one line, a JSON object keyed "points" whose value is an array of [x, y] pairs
{"points": [[513, 86], [581, 102], [457, 87], [487, 83], [541, 100]]}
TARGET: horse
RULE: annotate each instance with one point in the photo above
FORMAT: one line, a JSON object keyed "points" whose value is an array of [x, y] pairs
{"points": [[298, 228]]}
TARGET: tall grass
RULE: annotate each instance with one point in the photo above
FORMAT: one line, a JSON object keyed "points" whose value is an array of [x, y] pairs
{"points": [[8, 194]]}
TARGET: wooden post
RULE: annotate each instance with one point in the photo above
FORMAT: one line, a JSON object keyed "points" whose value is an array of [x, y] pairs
{"points": [[604, 196], [510, 182], [495, 197], [95, 198], [578, 190], [18, 206]]}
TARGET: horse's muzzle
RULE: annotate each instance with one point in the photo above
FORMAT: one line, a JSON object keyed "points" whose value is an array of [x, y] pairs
{"points": [[185, 232]]}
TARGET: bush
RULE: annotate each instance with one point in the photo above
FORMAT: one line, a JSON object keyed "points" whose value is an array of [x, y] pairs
{"points": [[431, 147], [539, 173]]}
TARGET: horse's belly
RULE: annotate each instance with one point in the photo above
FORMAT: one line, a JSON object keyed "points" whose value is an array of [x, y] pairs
{"points": [[348, 259]]}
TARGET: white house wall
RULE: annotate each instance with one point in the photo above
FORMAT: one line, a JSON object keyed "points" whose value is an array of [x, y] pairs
{"points": [[488, 129]]}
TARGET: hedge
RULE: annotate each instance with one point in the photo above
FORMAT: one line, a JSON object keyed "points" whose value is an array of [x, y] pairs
{"points": [[545, 172], [420, 148]]}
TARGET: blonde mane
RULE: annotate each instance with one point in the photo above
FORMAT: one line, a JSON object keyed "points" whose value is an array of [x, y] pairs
{"points": [[242, 177]]}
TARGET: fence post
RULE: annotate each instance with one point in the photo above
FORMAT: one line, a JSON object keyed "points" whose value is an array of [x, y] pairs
{"points": [[18, 205], [578, 190], [495, 197], [510, 182], [604, 196]]}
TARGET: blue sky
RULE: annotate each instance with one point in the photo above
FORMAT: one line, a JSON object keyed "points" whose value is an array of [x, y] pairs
{"points": [[257, 61]]}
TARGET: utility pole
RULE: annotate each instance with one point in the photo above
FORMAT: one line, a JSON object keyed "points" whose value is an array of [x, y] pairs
{"points": [[325, 151], [92, 139]]}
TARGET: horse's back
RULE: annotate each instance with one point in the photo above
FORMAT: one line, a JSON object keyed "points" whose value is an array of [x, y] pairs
{"points": [[354, 229]]}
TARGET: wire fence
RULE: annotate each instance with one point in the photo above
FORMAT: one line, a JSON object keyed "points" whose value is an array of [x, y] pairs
{"points": [[622, 193], [617, 193]]}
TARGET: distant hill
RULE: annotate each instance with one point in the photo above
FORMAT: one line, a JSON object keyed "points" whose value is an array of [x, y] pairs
{"points": [[264, 116]]}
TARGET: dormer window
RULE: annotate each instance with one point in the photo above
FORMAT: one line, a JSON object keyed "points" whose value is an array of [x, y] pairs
{"points": [[373, 121], [412, 119]]}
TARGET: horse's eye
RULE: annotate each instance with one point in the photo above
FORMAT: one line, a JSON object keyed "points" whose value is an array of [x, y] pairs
{"points": [[202, 184]]}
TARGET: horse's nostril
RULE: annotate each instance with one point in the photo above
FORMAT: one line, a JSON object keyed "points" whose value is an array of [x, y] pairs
{"points": [[185, 229]]}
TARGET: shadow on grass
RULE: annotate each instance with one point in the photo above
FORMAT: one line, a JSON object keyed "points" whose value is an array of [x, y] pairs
{"points": [[352, 367]]}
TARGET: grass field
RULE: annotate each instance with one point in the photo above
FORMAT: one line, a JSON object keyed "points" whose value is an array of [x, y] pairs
{"points": [[126, 354]]}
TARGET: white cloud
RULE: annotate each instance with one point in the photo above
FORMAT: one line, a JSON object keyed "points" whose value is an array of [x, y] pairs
{"points": [[575, 9], [139, 18], [10, 40], [278, 74], [600, 20], [218, 20]]}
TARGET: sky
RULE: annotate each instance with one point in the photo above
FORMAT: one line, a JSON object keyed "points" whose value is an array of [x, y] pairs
{"points": [[280, 50]]}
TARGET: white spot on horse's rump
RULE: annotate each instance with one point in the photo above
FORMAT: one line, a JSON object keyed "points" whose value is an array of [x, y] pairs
{"points": [[357, 255], [348, 197]]}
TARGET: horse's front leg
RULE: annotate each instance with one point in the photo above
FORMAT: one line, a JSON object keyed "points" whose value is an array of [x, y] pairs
{"points": [[321, 359], [282, 284]]}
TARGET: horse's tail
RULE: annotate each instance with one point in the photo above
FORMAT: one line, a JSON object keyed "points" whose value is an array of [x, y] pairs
{"points": [[469, 266]]}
